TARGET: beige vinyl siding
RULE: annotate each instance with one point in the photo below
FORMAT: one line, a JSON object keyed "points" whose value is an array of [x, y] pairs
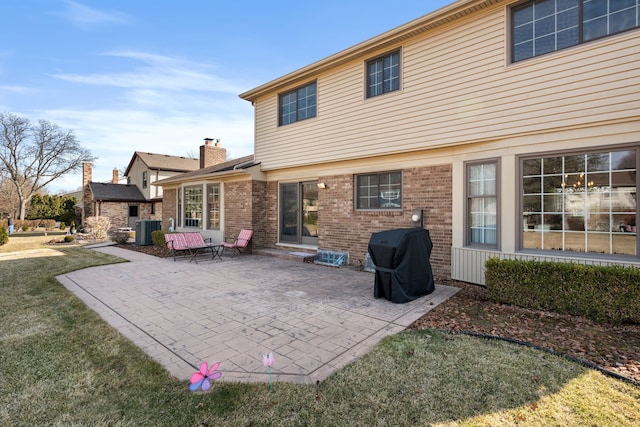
{"points": [[467, 264], [457, 88]]}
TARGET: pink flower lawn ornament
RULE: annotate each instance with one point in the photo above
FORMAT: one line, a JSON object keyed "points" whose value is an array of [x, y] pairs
{"points": [[204, 376], [267, 361]]}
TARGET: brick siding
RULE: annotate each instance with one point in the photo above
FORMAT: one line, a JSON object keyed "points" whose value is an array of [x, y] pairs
{"points": [[342, 228]]}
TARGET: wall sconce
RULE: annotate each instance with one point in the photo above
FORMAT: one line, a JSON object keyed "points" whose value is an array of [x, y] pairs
{"points": [[323, 185], [417, 216]]}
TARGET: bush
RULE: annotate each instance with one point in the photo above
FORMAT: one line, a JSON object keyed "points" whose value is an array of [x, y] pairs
{"points": [[4, 236], [601, 293], [120, 237], [63, 226], [47, 224], [69, 238], [157, 237]]}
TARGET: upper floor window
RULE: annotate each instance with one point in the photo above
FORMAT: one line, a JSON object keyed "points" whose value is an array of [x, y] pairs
{"points": [[544, 26], [482, 203], [383, 74], [298, 104], [379, 191], [144, 179]]}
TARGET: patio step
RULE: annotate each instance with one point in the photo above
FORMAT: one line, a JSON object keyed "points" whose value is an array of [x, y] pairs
{"points": [[286, 254]]}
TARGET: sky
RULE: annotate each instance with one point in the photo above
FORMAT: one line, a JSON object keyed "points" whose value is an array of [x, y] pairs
{"points": [[160, 76]]}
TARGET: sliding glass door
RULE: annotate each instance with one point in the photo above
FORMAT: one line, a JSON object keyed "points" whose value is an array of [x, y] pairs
{"points": [[299, 213]]}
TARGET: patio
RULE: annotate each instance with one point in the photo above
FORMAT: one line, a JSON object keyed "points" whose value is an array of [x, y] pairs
{"points": [[315, 319]]}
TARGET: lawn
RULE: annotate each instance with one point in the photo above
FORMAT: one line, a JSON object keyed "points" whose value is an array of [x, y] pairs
{"points": [[60, 364]]}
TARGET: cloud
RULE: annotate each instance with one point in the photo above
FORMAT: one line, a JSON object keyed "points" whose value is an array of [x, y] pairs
{"points": [[160, 105], [85, 17], [159, 72], [15, 89]]}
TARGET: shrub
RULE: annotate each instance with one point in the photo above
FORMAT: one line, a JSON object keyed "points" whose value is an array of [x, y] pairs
{"points": [[600, 293], [48, 224], [63, 226], [157, 237], [120, 237], [4, 236], [69, 238]]}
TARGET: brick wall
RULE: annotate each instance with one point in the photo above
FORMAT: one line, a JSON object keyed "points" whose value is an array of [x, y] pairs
{"points": [[169, 208], [259, 208], [342, 228], [244, 207], [117, 212]]}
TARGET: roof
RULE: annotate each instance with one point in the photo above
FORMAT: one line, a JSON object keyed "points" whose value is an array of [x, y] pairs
{"points": [[164, 162], [240, 163], [444, 15], [108, 192]]}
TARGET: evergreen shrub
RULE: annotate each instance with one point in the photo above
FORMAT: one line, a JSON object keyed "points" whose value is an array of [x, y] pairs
{"points": [[4, 236], [608, 294], [157, 237]]}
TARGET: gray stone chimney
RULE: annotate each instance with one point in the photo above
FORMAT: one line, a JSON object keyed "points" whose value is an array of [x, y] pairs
{"points": [[211, 153]]}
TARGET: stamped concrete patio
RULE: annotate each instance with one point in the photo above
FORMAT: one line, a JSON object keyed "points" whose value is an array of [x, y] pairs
{"points": [[315, 319]]}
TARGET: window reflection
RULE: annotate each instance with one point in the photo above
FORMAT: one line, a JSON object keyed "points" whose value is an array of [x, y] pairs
{"points": [[580, 203]]}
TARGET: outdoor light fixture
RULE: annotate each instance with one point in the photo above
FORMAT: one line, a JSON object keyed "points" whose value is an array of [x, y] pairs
{"points": [[323, 185], [417, 216]]}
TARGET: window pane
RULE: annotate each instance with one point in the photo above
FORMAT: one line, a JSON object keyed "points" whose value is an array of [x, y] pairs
{"points": [[532, 204], [552, 184], [532, 167], [552, 165]]}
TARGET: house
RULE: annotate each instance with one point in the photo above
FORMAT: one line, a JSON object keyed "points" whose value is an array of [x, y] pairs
{"points": [[138, 199], [219, 199], [512, 127]]}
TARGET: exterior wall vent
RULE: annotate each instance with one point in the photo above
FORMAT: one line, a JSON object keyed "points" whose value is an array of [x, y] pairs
{"points": [[331, 258]]}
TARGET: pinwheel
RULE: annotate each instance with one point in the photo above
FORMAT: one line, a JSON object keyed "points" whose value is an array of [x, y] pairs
{"points": [[203, 377]]}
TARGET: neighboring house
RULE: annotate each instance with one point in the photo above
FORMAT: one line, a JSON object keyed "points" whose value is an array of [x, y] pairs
{"points": [[139, 198], [145, 169], [513, 125]]}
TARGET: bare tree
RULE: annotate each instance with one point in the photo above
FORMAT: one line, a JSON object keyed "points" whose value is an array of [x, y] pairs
{"points": [[32, 156]]}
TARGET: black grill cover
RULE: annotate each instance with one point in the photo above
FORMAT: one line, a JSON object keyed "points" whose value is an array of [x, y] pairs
{"points": [[403, 271]]}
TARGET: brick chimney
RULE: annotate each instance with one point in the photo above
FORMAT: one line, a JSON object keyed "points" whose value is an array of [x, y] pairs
{"points": [[212, 153], [115, 179], [86, 192]]}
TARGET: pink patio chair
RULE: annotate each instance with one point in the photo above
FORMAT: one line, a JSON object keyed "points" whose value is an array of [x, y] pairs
{"points": [[176, 243], [239, 243]]}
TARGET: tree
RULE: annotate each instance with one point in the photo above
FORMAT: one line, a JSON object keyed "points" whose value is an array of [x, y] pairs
{"points": [[45, 206], [34, 155]]}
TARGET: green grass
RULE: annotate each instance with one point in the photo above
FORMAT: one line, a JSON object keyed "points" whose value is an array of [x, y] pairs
{"points": [[60, 364]]}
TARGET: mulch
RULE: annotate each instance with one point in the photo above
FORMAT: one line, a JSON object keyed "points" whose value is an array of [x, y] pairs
{"points": [[611, 347]]}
